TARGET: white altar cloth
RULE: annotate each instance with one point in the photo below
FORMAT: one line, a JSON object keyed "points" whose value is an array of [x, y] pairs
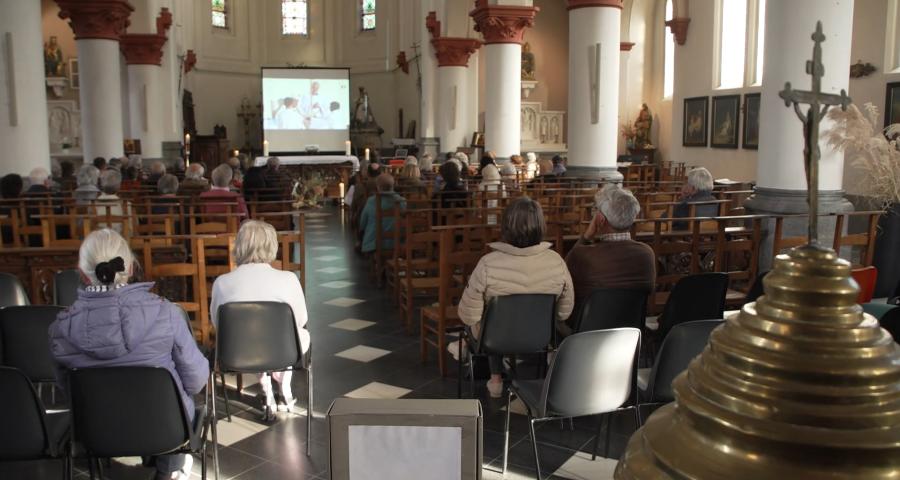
{"points": [[313, 160]]}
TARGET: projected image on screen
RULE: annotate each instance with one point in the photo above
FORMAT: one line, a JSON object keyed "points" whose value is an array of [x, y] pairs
{"points": [[305, 104]]}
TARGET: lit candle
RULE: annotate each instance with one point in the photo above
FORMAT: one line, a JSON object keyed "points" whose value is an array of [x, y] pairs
{"points": [[265, 148], [367, 154], [347, 148], [236, 152], [187, 142], [341, 190]]}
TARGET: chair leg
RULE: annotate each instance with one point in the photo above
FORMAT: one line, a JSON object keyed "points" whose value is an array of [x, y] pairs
{"points": [[597, 437], [442, 357], [224, 395], [608, 435], [637, 416], [423, 345], [537, 461], [506, 431], [459, 374], [471, 376], [99, 469], [214, 428], [309, 409]]}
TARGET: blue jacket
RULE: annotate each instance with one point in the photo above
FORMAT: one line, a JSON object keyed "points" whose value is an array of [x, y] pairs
{"points": [[367, 221]]}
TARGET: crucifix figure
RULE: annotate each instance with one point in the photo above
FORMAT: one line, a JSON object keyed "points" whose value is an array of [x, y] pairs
{"points": [[819, 103]]}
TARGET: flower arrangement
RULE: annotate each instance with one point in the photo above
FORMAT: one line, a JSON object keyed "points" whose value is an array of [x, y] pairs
{"points": [[309, 191], [875, 151]]}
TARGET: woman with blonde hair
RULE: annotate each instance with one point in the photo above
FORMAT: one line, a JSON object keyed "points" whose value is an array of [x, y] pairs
{"points": [[255, 280], [410, 177]]}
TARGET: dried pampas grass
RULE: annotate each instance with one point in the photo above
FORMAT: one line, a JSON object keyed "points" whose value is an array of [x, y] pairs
{"points": [[855, 133]]}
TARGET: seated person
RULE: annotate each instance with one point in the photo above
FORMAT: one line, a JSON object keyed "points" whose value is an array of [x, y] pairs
{"points": [[385, 185], [425, 163], [109, 202], [411, 177], [113, 324], [157, 170], [193, 183], [88, 179], [275, 176], [453, 192], [559, 167], [167, 188], [697, 189], [219, 194], [546, 171], [254, 280], [254, 185], [605, 256], [39, 182], [11, 186], [362, 190], [131, 178], [66, 180], [520, 263]]}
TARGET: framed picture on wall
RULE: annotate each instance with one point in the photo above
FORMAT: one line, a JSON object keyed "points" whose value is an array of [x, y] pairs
{"points": [[696, 114], [751, 121], [892, 104], [726, 120]]}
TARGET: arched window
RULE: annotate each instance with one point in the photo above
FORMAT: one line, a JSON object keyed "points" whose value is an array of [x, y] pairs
{"points": [[367, 15], [740, 42], [219, 13], [295, 17], [669, 55]]}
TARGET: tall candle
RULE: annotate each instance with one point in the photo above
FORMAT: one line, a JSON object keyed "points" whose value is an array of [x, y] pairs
{"points": [[341, 190], [367, 154], [347, 148], [187, 142], [265, 148]]}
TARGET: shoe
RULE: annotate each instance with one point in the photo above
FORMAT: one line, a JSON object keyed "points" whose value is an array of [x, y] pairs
{"points": [[495, 389], [453, 349], [268, 415], [288, 406]]}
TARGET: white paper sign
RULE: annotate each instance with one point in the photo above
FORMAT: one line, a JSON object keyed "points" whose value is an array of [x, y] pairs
{"points": [[395, 452]]}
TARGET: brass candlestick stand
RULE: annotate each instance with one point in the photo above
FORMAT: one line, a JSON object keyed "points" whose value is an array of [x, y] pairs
{"points": [[247, 113]]}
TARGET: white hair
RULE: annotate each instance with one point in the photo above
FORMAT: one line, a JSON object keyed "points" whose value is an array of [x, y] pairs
{"points": [[103, 246], [110, 181], [701, 179], [38, 176], [167, 184], [194, 171], [456, 162], [462, 157], [256, 242], [618, 206], [531, 156], [87, 175], [222, 175], [158, 167]]}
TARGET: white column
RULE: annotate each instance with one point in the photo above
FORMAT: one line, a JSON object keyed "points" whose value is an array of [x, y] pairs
{"points": [[146, 106], [594, 145], [503, 99], [788, 35], [23, 96], [427, 101], [453, 94], [101, 98]]}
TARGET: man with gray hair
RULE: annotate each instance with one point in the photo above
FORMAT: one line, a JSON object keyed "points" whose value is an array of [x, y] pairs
{"points": [[157, 170], [39, 182], [87, 178], [605, 255], [696, 191], [218, 198], [194, 183]]}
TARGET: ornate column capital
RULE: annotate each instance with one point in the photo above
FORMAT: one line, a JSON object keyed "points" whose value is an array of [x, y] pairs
{"points": [[454, 52], [679, 27], [96, 19], [146, 48], [573, 4], [625, 46], [433, 25], [190, 61], [502, 23]]}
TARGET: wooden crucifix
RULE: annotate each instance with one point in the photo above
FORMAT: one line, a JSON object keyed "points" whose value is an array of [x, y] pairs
{"points": [[819, 103]]}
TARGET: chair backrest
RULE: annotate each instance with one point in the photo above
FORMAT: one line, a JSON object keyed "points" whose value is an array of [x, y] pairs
{"points": [[866, 278], [518, 324], [65, 287], [683, 343], [592, 373], [26, 345], [756, 290], [127, 411], [22, 416], [253, 337], [11, 291], [695, 297], [613, 308]]}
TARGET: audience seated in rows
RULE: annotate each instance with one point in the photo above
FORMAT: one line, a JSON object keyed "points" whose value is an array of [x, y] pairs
{"points": [[385, 185], [38, 182], [237, 174], [520, 263], [363, 187], [605, 256], [11, 186], [66, 178], [99, 163], [531, 166], [255, 280], [698, 188], [453, 192], [253, 182], [131, 178], [559, 167], [109, 200], [220, 191], [194, 183], [411, 177], [88, 179], [426, 163], [167, 189], [485, 161], [275, 176], [113, 323], [157, 170]]}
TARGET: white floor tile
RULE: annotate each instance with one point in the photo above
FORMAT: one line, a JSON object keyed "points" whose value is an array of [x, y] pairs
{"points": [[378, 390], [362, 353], [343, 302], [236, 430], [581, 467], [327, 258], [352, 324], [331, 270], [337, 284]]}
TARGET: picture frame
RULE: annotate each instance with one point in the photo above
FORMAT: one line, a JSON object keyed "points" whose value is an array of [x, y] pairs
{"points": [[74, 74], [892, 104], [131, 146], [750, 139], [478, 139], [726, 121], [696, 116]]}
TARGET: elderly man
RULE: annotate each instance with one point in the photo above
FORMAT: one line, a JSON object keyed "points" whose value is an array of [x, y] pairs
{"points": [[87, 178], [605, 255], [385, 185], [275, 176], [109, 202], [39, 181], [194, 183], [216, 198], [697, 190], [157, 170]]}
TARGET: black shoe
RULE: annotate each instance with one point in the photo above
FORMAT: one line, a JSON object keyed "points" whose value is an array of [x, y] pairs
{"points": [[268, 415]]}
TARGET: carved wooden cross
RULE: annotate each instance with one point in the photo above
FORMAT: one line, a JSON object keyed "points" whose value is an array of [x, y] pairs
{"points": [[819, 103]]}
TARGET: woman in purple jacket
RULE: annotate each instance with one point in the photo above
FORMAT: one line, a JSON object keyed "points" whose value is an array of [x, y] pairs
{"points": [[115, 324]]}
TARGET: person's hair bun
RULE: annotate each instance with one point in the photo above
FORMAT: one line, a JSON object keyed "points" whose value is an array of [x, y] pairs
{"points": [[106, 271]]}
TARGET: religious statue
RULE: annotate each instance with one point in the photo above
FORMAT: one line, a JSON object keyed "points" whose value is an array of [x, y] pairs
{"points": [[527, 62], [53, 59], [362, 111], [642, 128]]}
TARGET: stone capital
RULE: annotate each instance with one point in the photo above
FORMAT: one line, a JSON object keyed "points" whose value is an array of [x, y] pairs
{"points": [[142, 48], [679, 27], [96, 19], [454, 52], [502, 23], [573, 4]]}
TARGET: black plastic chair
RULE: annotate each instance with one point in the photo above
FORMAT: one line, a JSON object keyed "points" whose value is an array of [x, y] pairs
{"points": [[26, 345], [28, 432], [756, 290], [683, 343], [259, 337], [12, 292], [593, 373], [65, 287], [522, 324], [694, 297], [613, 308], [133, 412]]}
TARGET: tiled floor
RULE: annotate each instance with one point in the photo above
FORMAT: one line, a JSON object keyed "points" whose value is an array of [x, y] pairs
{"points": [[362, 350]]}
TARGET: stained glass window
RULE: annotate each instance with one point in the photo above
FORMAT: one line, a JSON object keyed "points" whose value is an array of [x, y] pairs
{"points": [[294, 17], [219, 13], [367, 15]]}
